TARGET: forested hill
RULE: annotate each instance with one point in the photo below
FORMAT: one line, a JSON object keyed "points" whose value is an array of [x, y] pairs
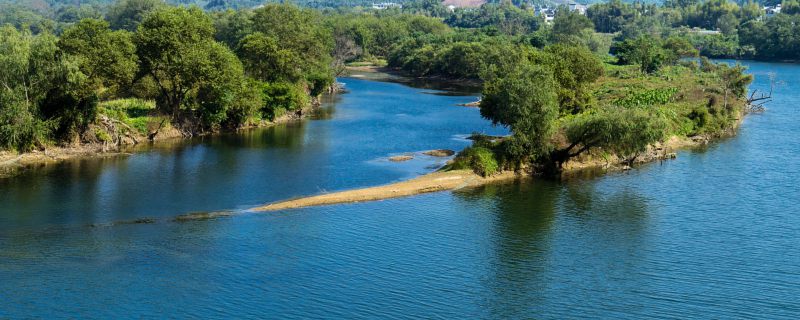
{"points": [[239, 4], [43, 5]]}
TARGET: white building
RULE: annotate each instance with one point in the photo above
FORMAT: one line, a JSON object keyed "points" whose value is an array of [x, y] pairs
{"points": [[771, 11], [386, 5], [548, 14], [577, 7]]}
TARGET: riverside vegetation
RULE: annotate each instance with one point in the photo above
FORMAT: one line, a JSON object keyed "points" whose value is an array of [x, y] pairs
{"points": [[95, 83], [136, 69]]}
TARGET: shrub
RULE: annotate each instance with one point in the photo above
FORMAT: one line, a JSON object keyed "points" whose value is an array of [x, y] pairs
{"points": [[700, 117], [280, 97], [480, 159]]}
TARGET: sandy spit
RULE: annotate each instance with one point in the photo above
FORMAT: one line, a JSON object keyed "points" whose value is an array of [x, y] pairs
{"points": [[434, 182]]}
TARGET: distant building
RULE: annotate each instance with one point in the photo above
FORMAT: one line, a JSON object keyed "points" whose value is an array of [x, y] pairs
{"points": [[463, 3], [697, 30], [772, 10], [386, 5], [577, 7], [547, 13]]}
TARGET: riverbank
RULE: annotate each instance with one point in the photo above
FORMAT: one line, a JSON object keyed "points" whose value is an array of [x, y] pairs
{"points": [[13, 163]]}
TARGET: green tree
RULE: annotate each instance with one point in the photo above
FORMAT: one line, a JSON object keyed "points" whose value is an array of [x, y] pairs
{"points": [[42, 94], [525, 100], [625, 132], [232, 26], [192, 71], [568, 26], [299, 33], [27, 66], [574, 68], [127, 14], [610, 17], [734, 80], [678, 48], [108, 58], [645, 51], [504, 18], [267, 60]]}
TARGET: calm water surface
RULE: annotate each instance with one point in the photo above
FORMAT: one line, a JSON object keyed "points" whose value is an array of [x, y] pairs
{"points": [[713, 234]]}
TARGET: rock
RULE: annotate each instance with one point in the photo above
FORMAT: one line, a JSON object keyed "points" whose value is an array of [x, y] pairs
{"points": [[400, 158], [671, 155], [474, 104], [439, 153]]}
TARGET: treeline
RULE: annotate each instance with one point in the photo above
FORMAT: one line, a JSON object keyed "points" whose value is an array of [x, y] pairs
{"points": [[467, 53], [727, 29], [214, 70], [205, 72]]}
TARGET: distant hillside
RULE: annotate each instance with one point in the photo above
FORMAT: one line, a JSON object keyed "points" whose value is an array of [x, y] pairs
{"points": [[45, 5]]}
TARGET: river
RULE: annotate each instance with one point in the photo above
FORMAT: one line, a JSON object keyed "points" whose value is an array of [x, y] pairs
{"points": [[712, 234]]}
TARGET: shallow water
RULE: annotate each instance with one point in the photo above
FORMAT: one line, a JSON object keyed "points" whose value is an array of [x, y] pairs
{"points": [[712, 234]]}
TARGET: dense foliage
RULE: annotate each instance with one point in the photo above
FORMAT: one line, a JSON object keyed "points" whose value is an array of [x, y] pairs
{"points": [[271, 61], [70, 73]]}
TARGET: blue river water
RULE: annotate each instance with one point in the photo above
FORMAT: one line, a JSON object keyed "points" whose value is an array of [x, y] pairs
{"points": [[712, 234]]}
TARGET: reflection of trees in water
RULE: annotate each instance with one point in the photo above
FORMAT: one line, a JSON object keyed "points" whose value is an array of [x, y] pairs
{"points": [[524, 214], [55, 193], [540, 225], [325, 112], [623, 209], [288, 135], [114, 188]]}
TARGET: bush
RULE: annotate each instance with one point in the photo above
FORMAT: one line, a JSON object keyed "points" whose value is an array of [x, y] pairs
{"points": [[280, 97], [480, 159]]}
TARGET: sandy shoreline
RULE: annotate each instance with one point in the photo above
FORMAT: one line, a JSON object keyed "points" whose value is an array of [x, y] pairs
{"points": [[432, 182], [457, 179]]}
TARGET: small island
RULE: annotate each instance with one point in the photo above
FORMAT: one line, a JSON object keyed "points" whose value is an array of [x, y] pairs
{"points": [[596, 114]]}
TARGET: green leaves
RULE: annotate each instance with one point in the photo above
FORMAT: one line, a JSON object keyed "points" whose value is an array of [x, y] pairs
{"points": [[625, 132], [523, 99], [266, 60], [294, 38], [177, 49], [127, 14], [644, 98], [108, 58], [29, 67], [651, 53]]}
